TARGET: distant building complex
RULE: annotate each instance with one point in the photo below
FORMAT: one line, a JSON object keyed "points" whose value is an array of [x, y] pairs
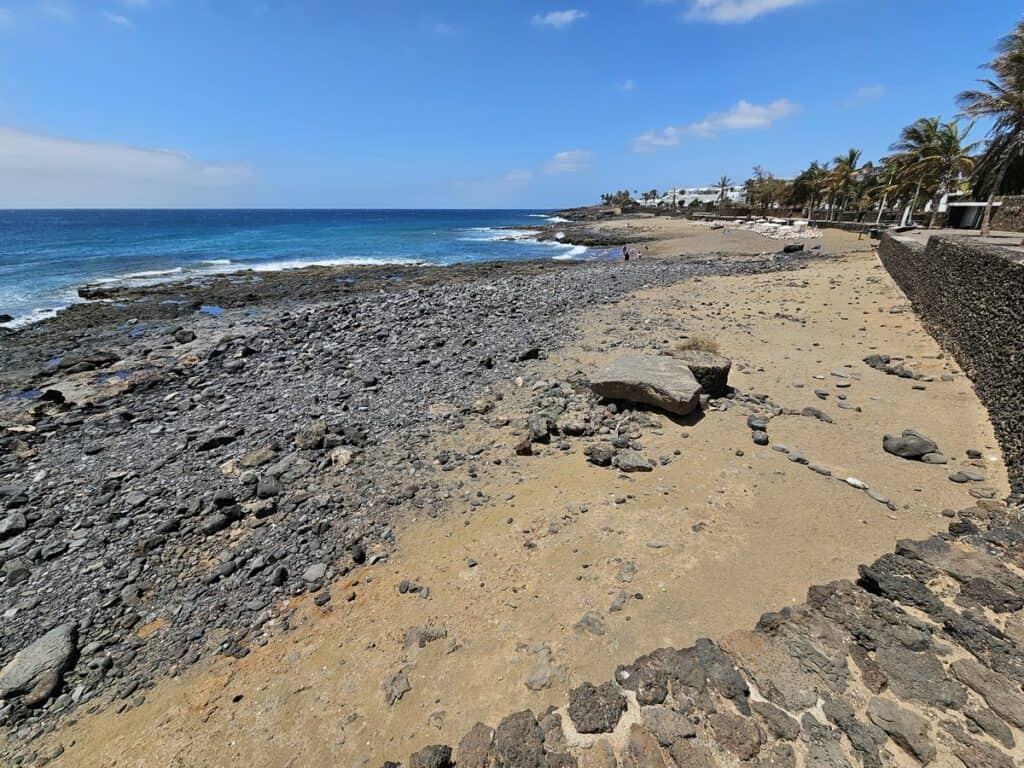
{"points": [[681, 197]]}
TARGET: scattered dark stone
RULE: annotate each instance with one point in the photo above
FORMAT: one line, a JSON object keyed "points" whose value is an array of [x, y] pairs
{"points": [[596, 709], [518, 742], [435, 756], [910, 445], [816, 413], [600, 454]]}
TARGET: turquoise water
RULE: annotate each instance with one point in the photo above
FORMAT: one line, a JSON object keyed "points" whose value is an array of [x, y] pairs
{"points": [[46, 255]]}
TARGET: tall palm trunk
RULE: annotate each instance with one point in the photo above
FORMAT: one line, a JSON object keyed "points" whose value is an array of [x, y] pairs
{"points": [[885, 199], [881, 208], [936, 201], [913, 203], [986, 219]]}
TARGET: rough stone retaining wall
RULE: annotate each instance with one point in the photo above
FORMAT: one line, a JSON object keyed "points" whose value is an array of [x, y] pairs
{"points": [[920, 661], [1010, 215], [971, 298]]}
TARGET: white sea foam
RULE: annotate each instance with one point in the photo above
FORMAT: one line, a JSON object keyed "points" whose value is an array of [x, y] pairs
{"points": [[496, 234], [347, 261], [546, 217], [154, 273], [574, 252], [63, 300]]}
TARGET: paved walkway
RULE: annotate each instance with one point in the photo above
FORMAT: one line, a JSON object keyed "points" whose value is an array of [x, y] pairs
{"points": [[1013, 241]]}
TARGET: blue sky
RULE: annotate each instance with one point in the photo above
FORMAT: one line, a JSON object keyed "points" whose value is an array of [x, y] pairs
{"points": [[476, 103]]}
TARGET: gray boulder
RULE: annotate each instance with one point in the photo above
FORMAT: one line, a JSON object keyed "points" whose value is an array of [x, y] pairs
{"points": [[631, 461], [37, 670], [910, 445], [662, 382], [710, 370], [905, 727]]}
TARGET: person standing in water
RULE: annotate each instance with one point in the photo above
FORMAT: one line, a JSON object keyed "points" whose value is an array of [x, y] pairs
{"points": [[625, 253]]}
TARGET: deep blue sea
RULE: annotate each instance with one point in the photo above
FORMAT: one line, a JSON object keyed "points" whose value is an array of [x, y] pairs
{"points": [[46, 255]]}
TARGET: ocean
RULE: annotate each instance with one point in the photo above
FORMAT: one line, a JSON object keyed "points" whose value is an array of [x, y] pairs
{"points": [[46, 255]]}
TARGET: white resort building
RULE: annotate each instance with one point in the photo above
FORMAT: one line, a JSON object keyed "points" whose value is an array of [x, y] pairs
{"points": [[681, 197]]}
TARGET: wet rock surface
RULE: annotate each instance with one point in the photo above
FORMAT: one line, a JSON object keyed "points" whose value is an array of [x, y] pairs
{"points": [[899, 668]]}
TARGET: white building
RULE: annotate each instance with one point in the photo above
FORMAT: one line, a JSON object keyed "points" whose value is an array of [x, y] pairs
{"points": [[680, 197]]}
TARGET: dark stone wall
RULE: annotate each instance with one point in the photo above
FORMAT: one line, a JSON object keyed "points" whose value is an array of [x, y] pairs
{"points": [[971, 299], [1010, 215]]}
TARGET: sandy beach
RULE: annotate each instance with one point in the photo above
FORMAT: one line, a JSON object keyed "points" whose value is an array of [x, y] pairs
{"points": [[460, 583], [670, 236]]}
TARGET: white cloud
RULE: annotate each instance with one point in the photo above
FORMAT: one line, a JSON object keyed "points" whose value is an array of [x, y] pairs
{"points": [[57, 11], [115, 18], [441, 28], [559, 19], [736, 11], [569, 162], [627, 86], [866, 93], [518, 177], [42, 171], [744, 116]]}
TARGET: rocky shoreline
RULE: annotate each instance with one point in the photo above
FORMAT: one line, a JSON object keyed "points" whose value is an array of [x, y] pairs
{"points": [[181, 461]]}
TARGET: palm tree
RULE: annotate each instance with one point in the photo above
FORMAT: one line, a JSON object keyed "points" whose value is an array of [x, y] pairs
{"points": [[845, 173], [892, 182], [948, 159], [723, 185], [914, 142], [1002, 100], [937, 156], [822, 184]]}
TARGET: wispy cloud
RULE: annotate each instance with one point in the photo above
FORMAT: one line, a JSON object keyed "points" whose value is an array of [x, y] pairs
{"points": [[569, 162], [736, 11], [57, 11], [744, 116], [116, 18], [626, 86], [559, 19], [441, 27], [518, 177], [6, 17], [865, 94], [39, 170]]}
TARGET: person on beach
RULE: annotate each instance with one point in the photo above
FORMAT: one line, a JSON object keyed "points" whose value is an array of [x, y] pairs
{"points": [[625, 253]]}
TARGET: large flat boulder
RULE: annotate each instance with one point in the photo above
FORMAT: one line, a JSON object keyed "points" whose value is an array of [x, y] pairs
{"points": [[710, 370], [36, 671], [659, 381]]}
